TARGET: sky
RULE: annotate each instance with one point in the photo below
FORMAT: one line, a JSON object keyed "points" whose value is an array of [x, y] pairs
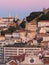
{"points": [[21, 8]]}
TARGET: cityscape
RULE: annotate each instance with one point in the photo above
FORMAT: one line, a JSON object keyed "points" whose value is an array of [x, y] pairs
{"points": [[26, 41]]}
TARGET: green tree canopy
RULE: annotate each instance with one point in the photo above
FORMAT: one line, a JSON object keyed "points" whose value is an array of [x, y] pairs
{"points": [[12, 29], [2, 33], [23, 24]]}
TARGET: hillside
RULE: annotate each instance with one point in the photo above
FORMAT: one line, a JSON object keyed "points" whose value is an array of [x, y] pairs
{"points": [[33, 15], [36, 14], [45, 16]]}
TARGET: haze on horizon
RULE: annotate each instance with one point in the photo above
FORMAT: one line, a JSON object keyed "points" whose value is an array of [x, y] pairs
{"points": [[21, 8]]}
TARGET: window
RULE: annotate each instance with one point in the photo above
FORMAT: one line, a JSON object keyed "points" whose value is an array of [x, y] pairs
{"points": [[47, 32], [32, 60]]}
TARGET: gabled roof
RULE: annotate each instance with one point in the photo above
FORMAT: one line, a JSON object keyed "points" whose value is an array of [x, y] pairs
{"points": [[12, 62]]}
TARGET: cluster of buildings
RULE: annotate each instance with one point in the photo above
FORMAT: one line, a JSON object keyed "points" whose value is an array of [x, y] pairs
{"points": [[32, 40], [18, 36], [44, 32], [33, 29]]}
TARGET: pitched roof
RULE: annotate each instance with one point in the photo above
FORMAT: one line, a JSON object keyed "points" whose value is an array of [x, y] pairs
{"points": [[12, 62]]}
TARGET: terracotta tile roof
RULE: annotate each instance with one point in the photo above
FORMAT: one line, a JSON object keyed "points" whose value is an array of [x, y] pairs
{"points": [[20, 57], [12, 63]]}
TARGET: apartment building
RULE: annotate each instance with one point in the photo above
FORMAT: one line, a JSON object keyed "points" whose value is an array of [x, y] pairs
{"points": [[3, 24], [13, 35], [24, 35], [45, 36], [3, 19], [7, 19], [31, 34], [11, 23], [8, 36], [32, 26], [44, 25], [6, 22], [13, 51]]}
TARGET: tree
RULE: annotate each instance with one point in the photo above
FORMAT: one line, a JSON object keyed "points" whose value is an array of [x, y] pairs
{"points": [[33, 15], [12, 29], [2, 33], [23, 24], [39, 40], [7, 31], [45, 16]]}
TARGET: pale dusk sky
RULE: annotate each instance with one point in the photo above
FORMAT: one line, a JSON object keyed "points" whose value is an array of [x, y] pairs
{"points": [[21, 8]]}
